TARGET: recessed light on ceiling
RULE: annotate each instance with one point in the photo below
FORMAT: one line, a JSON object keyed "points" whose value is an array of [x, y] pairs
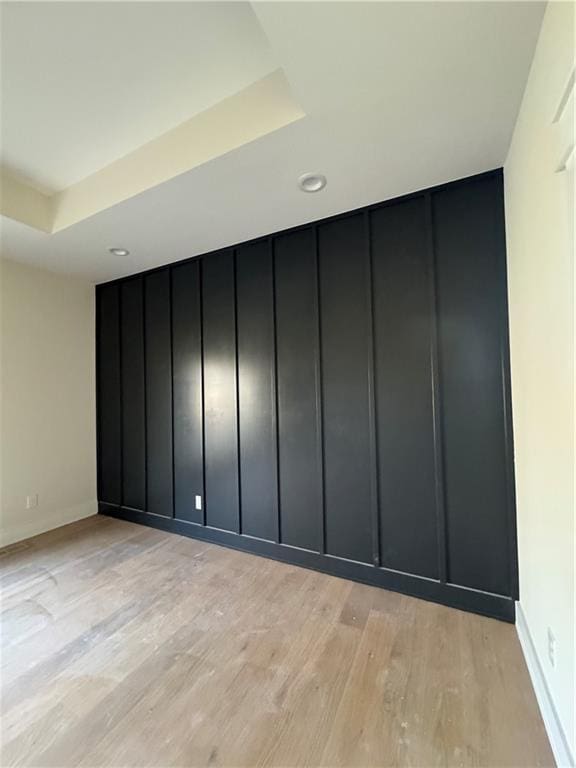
{"points": [[119, 251], [312, 182]]}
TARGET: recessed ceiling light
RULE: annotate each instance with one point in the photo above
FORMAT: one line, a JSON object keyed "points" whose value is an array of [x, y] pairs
{"points": [[312, 182], [119, 251]]}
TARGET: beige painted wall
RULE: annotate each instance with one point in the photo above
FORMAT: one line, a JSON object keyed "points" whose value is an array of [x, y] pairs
{"points": [[47, 399], [540, 220]]}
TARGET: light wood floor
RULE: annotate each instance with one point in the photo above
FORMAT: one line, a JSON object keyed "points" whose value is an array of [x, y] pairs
{"points": [[125, 646]]}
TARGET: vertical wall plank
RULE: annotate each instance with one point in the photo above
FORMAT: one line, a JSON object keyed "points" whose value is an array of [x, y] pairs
{"points": [[469, 333], [256, 390], [500, 238], [188, 396], [220, 415], [345, 353], [109, 393], [297, 343], [133, 395], [440, 495], [372, 412], [403, 323], [159, 478]]}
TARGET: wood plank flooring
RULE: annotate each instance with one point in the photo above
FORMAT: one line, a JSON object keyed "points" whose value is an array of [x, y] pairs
{"points": [[126, 646]]}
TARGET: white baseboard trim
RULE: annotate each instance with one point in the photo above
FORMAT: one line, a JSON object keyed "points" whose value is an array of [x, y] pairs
{"points": [[556, 735], [12, 534]]}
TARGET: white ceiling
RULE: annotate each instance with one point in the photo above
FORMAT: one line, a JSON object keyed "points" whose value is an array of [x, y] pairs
{"points": [[398, 96], [84, 83]]}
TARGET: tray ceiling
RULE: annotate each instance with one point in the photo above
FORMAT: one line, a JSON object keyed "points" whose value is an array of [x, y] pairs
{"points": [[172, 129]]}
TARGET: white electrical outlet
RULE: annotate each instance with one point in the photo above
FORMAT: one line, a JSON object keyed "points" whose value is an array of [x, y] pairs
{"points": [[198, 502], [551, 647], [32, 501]]}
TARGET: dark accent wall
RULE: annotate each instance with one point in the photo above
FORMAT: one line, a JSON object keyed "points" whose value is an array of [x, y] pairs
{"points": [[335, 396]]}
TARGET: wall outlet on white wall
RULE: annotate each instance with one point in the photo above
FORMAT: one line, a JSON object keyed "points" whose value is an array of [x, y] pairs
{"points": [[32, 501], [551, 647]]}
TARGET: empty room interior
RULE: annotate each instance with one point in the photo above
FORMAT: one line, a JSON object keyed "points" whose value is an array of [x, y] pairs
{"points": [[287, 384]]}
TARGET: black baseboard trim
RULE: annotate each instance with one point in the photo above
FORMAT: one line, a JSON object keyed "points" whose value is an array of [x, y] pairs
{"points": [[451, 595]]}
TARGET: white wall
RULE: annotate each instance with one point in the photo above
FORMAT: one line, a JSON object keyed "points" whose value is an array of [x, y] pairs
{"points": [[47, 399], [540, 219]]}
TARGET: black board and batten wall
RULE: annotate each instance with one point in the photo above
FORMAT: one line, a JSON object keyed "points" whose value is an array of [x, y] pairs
{"points": [[335, 396]]}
